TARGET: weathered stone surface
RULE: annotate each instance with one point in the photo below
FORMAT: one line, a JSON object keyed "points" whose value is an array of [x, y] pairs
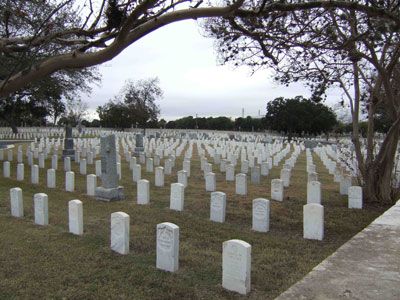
{"points": [[177, 196], [236, 266], [261, 212], [355, 197], [16, 202], [75, 213], [159, 176], [91, 184], [277, 189], [143, 192], [313, 192], [167, 247], [211, 182], [70, 181], [120, 232], [20, 172], [41, 206], [218, 207], [313, 221], [241, 184]]}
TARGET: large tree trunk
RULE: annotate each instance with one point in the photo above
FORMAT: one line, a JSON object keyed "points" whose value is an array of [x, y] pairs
{"points": [[378, 174]]}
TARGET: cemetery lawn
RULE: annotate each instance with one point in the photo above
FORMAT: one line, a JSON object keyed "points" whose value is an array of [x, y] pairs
{"points": [[48, 262]]}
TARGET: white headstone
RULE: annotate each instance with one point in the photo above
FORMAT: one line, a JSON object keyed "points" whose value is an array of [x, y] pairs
{"points": [[313, 192], [186, 167], [70, 181], [211, 182], [277, 189], [82, 166], [167, 247], [182, 177], [91, 184], [136, 172], [149, 165], [236, 266], [51, 178], [159, 174], [98, 168], [241, 184], [120, 232], [6, 169], [177, 196], [67, 164], [20, 172], [261, 211], [355, 197], [41, 209], [218, 207], [345, 183], [230, 172], [75, 213], [54, 162], [17, 204], [35, 174], [143, 192], [285, 177], [313, 221]]}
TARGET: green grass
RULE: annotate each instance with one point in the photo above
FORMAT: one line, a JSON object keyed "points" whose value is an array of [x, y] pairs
{"points": [[48, 262]]}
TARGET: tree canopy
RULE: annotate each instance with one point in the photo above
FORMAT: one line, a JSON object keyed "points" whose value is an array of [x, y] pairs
{"points": [[299, 116], [134, 106]]}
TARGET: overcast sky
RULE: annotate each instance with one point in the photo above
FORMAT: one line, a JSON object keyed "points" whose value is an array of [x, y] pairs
{"points": [[185, 62]]}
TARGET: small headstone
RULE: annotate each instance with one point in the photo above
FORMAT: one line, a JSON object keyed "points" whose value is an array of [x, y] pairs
{"points": [[261, 211], [264, 169], [17, 204], [69, 181], [230, 172], [313, 221], [186, 167], [355, 197], [312, 176], [75, 213], [120, 232], [136, 173], [241, 184], [177, 196], [277, 189], [236, 266], [313, 192], [143, 192], [68, 145], [159, 174], [20, 172], [211, 182], [218, 207], [82, 166], [345, 183], [149, 165], [91, 184], [41, 208], [35, 174], [6, 169], [98, 168], [182, 177], [285, 177], [51, 178], [255, 175], [54, 162], [167, 247]]}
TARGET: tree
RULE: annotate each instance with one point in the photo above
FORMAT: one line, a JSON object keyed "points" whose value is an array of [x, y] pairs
{"points": [[75, 111], [74, 35], [330, 46], [299, 116], [46, 92], [137, 108]]}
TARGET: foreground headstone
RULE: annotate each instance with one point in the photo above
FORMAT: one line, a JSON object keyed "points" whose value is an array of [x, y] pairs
{"points": [[277, 189], [218, 207], [17, 204], [143, 192], [120, 232], [41, 205], [167, 247], [177, 196], [110, 189], [313, 221], [355, 197], [236, 266], [261, 211], [75, 213]]}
